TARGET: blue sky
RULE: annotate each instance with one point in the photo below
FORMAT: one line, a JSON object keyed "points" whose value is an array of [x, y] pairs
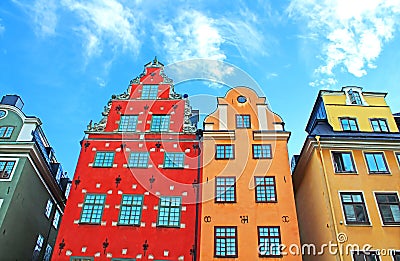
{"points": [[65, 58]]}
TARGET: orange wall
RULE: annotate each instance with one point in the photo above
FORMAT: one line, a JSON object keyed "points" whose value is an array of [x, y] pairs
{"points": [[244, 168]]}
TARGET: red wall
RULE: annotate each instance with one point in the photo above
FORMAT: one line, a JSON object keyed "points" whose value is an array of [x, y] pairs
{"points": [[178, 241]]}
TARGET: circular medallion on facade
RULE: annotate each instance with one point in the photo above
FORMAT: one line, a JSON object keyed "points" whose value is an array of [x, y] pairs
{"points": [[2, 114], [241, 99]]}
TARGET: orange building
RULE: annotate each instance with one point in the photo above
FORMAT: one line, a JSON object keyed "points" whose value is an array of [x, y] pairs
{"points": [[248, 203]]}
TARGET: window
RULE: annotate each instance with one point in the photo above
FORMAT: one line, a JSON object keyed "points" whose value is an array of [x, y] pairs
{"points": [[355, 97], [6, 168], [38, 248], [262, 151], [379, 125], [343, 162], [139, 160], [376, 162], [159, 123], [349, 124], [398, 158], [243, 121], [169, 212], [396, 256], [225, 242], [128, 123], [77, 258], [174, 160], [241, 99], [6, 131], [354, 208], [2, 114], [47, 254], [366, 256], [56, 219], [265, 189], [104, 159], [224, 152], [389, 207], [92, 209], [49, 206], [269, 240], [131, 210], [149, 92], [225, 190]]}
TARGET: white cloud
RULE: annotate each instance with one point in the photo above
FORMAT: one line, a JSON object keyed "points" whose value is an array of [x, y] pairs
{"points": [[353, 33], [195, 35], [191, 35], [45, 17], [106, 22]]}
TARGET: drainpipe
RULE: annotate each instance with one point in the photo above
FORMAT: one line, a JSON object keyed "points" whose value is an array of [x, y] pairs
{"points": [[328, 189]]}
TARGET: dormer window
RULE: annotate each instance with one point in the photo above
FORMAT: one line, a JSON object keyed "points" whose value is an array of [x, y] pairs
{"points": [[355, 97]]}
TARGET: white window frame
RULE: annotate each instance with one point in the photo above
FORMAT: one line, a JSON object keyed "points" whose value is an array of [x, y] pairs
{"points": [[366, 208], [15, 167], [377, 205], [49, 208]]}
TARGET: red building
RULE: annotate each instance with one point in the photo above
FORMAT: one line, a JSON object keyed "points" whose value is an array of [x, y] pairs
{"points": [[134, 191]]}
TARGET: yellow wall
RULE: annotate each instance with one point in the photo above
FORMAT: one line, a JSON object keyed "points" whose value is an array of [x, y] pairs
{"points": [[244, 167], [336, 107]]}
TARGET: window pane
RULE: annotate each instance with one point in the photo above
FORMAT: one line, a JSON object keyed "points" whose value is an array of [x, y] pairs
{"points": [[149, 92], [348, 162], [128, 123], [139, 160]]}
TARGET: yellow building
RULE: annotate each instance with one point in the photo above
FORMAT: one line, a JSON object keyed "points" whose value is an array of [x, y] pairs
{"points": [[347, 178], [247, 195]]}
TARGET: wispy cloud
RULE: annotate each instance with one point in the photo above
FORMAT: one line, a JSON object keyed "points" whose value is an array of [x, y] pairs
{"points": [[195, 35], [2, 27], [43, 13], [191, 35], [353, 33], [106, 23]]}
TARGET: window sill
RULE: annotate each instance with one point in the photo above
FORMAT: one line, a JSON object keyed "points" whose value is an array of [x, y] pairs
{"points": [[359, 224], [380, 173], [346, 173]]}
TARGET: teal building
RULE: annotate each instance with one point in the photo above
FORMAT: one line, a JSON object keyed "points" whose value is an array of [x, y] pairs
{"points": [[33, 186]]}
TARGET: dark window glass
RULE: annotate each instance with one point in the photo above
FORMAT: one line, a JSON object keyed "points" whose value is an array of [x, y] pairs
{"points": [[389, 208], [243, 121], [241, 99], [396, 255], [224, 152], [376, 162], [225, 190], [354, 208], [265, 189], [343, 162], [225, 242], [366, 256]]}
